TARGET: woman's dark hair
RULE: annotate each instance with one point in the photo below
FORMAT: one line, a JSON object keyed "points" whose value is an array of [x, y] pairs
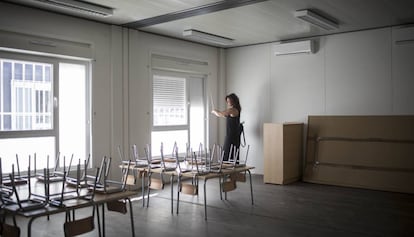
{"points": [[235, 101]]}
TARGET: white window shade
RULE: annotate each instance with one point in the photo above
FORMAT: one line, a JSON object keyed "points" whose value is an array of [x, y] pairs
{"points": [[169, 101]]}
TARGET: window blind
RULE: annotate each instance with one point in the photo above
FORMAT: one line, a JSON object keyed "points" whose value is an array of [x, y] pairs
{"points": [[169, 101]]}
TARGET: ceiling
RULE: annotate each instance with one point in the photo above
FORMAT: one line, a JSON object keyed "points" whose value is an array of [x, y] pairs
{"points": [[247, 22]]}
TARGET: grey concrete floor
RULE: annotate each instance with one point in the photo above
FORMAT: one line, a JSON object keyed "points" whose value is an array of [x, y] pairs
{"points": [[298, 209]]}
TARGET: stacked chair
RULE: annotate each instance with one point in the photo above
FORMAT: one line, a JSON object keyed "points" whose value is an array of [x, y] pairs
{"points": [[229, 182], [18, 178], [73, 227], [6, 191], [56, 175], [164, 165], [112, 186], [194, 163], [139, 167], [79, 189]]}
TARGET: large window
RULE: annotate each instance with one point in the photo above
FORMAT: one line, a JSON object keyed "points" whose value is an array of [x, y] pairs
{"points": [[178, 111], [44, 110], [26, 95]]}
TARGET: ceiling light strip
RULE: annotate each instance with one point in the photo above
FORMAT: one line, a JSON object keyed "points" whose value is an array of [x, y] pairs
{"points": [[207, 37], [83, 7], [195, 11], [316, 19]]}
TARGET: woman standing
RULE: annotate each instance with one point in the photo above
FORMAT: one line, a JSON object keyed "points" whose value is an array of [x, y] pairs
{"points": [[232, 115]]}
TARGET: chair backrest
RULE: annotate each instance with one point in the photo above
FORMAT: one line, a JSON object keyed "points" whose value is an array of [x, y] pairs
{"points": [[124, 178], [92, 190], [233, 156], [178, 163], [196, 161], [63, 171], [101, 173], [140, 162], [80, 175], [234, 160], [5, 192], [56, 162], [18, 166], [218, 161], [164, 165], [85, 168], [188, 159], [122, 155], [175, 147], [95, 184], [244, 162], [210, 159], [148, 155], [111, 186], [106, 167], [13, 185]]}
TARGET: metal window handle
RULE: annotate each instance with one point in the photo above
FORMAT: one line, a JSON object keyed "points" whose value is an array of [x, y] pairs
{"points": [[55, 102]]}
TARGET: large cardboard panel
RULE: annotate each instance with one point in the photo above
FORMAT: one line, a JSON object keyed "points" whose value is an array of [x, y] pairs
{"points": [[374, 152]]}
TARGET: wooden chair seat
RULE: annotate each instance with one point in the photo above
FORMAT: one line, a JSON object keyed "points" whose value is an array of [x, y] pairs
{"points": [[156, 183], [131, 180], [9, 230], [240, 177], [80, 226], [117, 206], [189, 189], [229, 186]]}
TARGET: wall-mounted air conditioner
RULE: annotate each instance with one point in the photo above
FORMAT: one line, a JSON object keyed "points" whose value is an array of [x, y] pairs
{"points": [[298, 47]]}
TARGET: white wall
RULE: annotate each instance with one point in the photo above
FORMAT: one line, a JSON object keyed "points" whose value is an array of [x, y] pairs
{"points": [[248, 76], [359, 73]]}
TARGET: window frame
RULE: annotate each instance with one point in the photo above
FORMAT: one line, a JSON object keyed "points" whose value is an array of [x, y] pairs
{"points": [[188, 77], [55, 61], [36, 132]]}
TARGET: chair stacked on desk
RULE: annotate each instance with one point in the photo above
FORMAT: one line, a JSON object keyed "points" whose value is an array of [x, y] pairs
{"points": [[6, 191], [195, 164], [57, 175], [70, 193], [158, 168], [189, 167], [72, 226], [139, 166]]}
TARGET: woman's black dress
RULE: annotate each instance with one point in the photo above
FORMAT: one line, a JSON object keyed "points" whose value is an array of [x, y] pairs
{"points": [[232, 136]]}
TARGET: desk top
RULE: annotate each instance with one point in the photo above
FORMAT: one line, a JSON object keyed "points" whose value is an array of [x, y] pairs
{"points": [[224, 171], [71, 204], [209, 175]]}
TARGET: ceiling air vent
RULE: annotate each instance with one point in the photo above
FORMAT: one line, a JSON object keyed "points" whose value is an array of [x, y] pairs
{"points": [[79, 6], [316, 19]]}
